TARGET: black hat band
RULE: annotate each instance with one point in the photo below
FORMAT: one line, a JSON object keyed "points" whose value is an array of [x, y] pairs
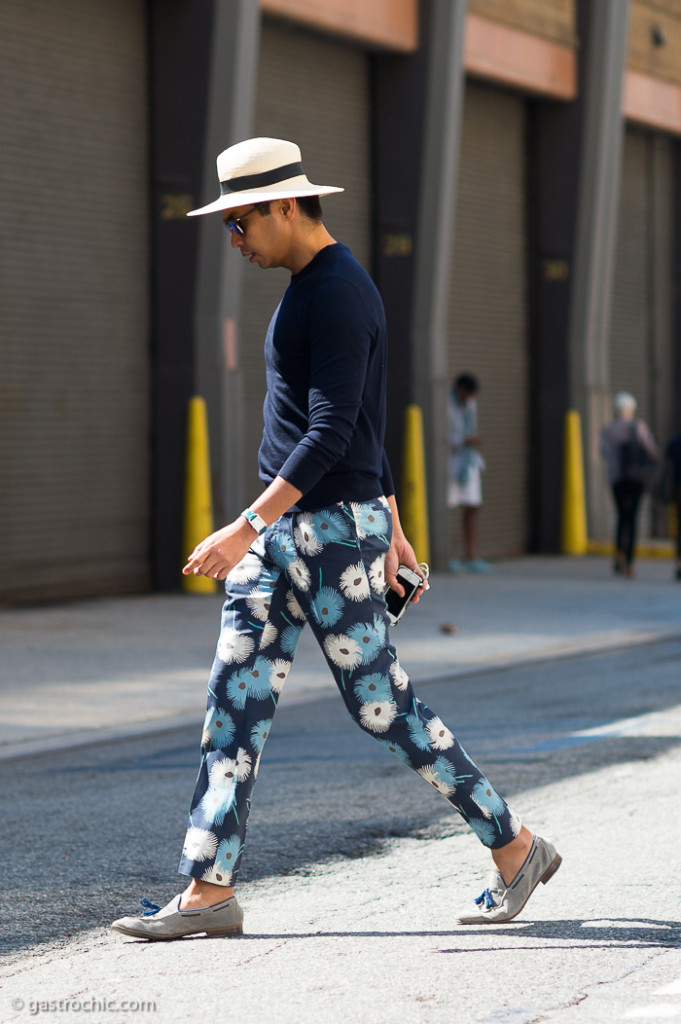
{"points": [[253, 181]]}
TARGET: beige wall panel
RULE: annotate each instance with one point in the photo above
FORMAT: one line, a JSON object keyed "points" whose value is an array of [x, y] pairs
{"points": [[487, 315], [314, 91], [74, 435], [652, 102], [387, 23], [648, 17], [520, 60], [554, 20]]}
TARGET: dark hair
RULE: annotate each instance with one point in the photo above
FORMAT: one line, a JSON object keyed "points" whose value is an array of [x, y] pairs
{"points": [[310, 207], [468, 382]]}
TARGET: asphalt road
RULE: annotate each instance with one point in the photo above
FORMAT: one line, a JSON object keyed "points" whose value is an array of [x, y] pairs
{"points": [[589, 749]]}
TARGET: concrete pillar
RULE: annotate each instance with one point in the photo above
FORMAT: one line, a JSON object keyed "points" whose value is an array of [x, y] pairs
{"points": [[398, 87], [230, 117], [603, 28], [434, 245], [203, 71]]}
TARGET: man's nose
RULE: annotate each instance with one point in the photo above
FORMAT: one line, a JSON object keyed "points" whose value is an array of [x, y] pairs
{"points": [[236, 239]]}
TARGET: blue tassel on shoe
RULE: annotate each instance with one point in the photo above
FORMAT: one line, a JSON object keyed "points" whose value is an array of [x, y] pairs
{"points": [[150, 908], [486, 898]]}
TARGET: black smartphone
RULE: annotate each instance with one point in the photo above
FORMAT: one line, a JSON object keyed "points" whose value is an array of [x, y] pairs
{"points": [[397, 605]]}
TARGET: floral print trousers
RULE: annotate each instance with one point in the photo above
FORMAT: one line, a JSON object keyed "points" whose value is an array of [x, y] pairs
{"points": [[325, 568]]}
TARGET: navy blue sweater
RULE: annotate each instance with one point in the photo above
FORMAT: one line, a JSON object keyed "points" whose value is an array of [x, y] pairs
{"points": [[324, 413]]}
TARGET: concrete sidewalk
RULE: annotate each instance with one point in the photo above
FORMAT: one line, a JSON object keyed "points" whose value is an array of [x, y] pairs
{"points": [[105, 669]]}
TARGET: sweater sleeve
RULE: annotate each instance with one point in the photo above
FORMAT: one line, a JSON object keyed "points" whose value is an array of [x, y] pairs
{"points": [[341, 332], [387, 478]]}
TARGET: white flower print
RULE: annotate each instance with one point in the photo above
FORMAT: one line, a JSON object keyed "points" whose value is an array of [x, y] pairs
{"points": [[249, 568], [399, 676], [377, 574], [305, 537], [269, 635], [243, 765], [342, 651], [227, 771], [441, 738], [200, 844], [440, 782], [222, 773], [278, 672], [299, 573], [377, 716], [259, 602], [354, 582], [294, 609], [216, 876], [216, 803], [233, 646]]}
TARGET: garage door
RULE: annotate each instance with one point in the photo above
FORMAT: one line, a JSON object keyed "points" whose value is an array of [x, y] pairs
{"points": [[74, 406], [488, 314], [641, 337]]}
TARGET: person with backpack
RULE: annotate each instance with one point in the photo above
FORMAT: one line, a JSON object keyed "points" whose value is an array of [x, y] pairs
{"points": [[631, 457]]}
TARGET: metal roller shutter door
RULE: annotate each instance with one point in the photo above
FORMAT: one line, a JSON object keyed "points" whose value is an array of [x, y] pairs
{"points": [[487, 314], [314, 91], [641, 339], [74, 448]]}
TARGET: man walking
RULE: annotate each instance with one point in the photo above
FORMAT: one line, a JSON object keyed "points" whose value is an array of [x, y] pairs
{"points": [[317, 546]]}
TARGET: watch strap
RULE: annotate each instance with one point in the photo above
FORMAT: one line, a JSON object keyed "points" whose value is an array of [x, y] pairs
{"points": [[256, 521]]}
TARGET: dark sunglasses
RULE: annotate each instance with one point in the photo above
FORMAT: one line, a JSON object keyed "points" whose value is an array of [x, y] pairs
{"points": [[235, 224]]}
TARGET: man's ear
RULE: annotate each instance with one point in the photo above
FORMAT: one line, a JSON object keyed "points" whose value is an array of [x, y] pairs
{"points": [[287, 207]]}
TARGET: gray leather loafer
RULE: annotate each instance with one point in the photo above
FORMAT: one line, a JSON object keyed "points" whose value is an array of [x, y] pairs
{"points": [[499, 903], [170, 922]]}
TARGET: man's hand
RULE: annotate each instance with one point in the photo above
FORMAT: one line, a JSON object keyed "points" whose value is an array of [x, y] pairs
{"points": [[402, 553], [221, 551]]}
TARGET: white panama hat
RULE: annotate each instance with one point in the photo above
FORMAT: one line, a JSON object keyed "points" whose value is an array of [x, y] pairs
{"points": [[260, 169]]}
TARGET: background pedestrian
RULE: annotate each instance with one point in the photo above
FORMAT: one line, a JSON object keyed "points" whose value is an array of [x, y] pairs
{"points": [[466, 466], [631, 457]]}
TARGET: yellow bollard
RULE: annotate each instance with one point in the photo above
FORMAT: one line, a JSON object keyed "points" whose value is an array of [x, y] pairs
{"points": [[198, 499], [413, 503], [573, 527]]}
